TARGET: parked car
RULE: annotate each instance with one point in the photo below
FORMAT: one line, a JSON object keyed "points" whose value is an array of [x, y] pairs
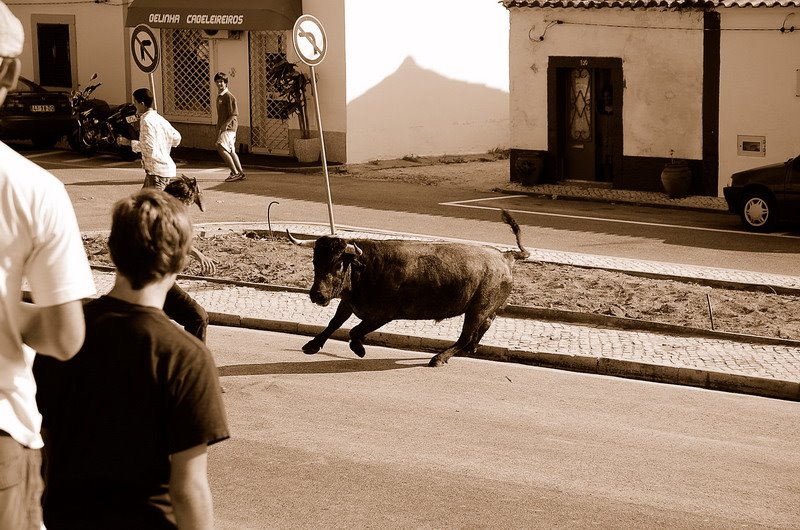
{"points": [[31, 112], [766, 195]]}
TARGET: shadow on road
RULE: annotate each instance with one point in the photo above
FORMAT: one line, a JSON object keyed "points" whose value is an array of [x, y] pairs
{"points": [[336, 366], [109, 182]]}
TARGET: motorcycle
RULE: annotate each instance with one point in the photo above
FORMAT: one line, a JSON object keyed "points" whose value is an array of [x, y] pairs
{"points": [[102, 127]]}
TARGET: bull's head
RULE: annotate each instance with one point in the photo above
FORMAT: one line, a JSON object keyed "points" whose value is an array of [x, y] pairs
{"points": [[332, 259]]}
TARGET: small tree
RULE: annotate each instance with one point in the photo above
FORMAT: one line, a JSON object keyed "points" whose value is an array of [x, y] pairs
{"points": [[291, 84]]}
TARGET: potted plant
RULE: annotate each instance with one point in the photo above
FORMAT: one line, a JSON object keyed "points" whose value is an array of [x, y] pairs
{"points": [[291, 84], [676, 177]]}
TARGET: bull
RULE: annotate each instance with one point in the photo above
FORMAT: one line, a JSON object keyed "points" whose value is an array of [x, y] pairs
{"points": [[381, 281]]}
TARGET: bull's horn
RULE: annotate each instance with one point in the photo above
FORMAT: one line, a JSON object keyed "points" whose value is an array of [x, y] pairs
{"points": [[352, 248], [304, 243]]}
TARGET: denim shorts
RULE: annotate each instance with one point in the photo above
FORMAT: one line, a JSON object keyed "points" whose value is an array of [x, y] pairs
{"points": [[21, 485]]}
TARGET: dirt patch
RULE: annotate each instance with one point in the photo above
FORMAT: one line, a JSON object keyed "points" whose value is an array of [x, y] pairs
{"points": [[248, 257]]}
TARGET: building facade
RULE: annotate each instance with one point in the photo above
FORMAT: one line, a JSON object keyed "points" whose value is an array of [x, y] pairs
{"points": [[610, 91], [411, 111]]}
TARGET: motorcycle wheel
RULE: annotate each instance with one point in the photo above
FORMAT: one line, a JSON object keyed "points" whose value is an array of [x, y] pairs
{"points": [[80, 140]]}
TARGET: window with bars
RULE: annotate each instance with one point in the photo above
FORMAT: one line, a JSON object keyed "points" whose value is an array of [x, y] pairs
{"points": [[186, 73], [269, 128]]}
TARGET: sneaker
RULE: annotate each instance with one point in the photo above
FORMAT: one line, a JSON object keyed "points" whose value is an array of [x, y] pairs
{"points": [[235, 176]]}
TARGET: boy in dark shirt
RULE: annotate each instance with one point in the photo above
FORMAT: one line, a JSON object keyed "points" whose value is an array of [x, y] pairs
{"points": [[128, 420], [227, 122]]}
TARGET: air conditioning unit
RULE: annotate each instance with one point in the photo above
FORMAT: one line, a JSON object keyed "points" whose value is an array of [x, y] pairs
{"points": [[222, 34]]}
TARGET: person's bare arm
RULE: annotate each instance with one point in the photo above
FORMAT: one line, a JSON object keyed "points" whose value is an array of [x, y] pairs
{"points": [[189, 489], [207, 265], [57, 331]]}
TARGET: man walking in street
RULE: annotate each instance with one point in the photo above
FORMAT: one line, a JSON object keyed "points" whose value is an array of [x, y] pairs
{"points": [[156, 138], [227, 122], [39, 241]]}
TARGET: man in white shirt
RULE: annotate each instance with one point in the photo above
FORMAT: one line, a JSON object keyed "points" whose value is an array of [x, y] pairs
{"points": [[156, 138], [39, 241]]}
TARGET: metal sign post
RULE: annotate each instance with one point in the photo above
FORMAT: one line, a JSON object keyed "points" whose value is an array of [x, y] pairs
{"points": [[144, 47], [310, 44]]}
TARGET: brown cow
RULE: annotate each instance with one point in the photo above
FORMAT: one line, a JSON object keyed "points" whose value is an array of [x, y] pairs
{"points": [[381, 281]]}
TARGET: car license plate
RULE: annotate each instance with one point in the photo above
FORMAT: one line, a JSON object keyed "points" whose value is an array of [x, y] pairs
{"points": [[43, 108], [132, 119]]}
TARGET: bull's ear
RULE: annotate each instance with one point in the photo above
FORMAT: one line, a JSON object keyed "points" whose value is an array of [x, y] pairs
{"points": [[352, 248], [304, 243]]}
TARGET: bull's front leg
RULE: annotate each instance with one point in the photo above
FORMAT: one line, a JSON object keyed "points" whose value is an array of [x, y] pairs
{"points": [[359, 331], [343, 312]]}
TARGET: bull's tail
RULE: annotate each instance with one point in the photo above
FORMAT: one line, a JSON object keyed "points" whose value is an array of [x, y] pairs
{"points": [[523, 252]]}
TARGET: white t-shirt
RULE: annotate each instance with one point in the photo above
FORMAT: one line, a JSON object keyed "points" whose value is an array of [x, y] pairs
{"points": [[41, 242], [156, 138]]}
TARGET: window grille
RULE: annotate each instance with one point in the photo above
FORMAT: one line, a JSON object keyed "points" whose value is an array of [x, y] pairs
{"points": [[186, 74], [269, 131]]}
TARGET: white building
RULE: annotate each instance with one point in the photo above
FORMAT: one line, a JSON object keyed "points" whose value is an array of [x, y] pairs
{"points": [[610, 90], [399, 78]]}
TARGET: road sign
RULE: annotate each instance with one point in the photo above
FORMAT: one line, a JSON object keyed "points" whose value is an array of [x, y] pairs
{"points": [[144, 47], [309, 40]]}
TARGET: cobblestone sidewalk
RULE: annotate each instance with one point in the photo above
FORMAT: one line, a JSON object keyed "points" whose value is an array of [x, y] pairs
{"points": [[762, 369]]}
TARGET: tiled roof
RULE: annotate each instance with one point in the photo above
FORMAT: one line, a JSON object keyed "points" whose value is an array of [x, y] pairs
{"points": [[651, 3]]}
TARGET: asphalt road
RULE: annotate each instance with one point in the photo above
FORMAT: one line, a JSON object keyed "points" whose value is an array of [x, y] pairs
{"points": [[657, 234], [332, 441]]}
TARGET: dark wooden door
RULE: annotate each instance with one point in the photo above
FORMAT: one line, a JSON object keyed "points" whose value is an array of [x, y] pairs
{"points": [[55, 68]]}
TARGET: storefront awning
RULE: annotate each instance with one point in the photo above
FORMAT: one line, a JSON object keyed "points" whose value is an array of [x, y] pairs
{"points": [[215, 14]]}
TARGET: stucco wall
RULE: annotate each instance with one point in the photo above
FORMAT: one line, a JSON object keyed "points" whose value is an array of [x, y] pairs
{"points": [[331, 78], [758, 87], [101, 47], [662, 69]]}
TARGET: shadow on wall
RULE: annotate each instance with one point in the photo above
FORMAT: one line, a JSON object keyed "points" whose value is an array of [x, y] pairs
{"points": [[415, 111]]}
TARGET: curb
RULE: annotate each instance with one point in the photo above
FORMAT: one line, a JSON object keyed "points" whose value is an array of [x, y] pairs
{"points": [[310, 170], [737, 383], [710, 380], [616, 200]]}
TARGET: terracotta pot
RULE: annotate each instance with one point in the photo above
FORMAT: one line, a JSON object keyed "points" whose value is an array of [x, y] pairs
{"points": [[676, 178], [306, 150]]}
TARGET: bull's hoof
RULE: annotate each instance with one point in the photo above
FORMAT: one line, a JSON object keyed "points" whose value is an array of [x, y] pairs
{"points": [[358, 348], [436, 361], [310, 348]]}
